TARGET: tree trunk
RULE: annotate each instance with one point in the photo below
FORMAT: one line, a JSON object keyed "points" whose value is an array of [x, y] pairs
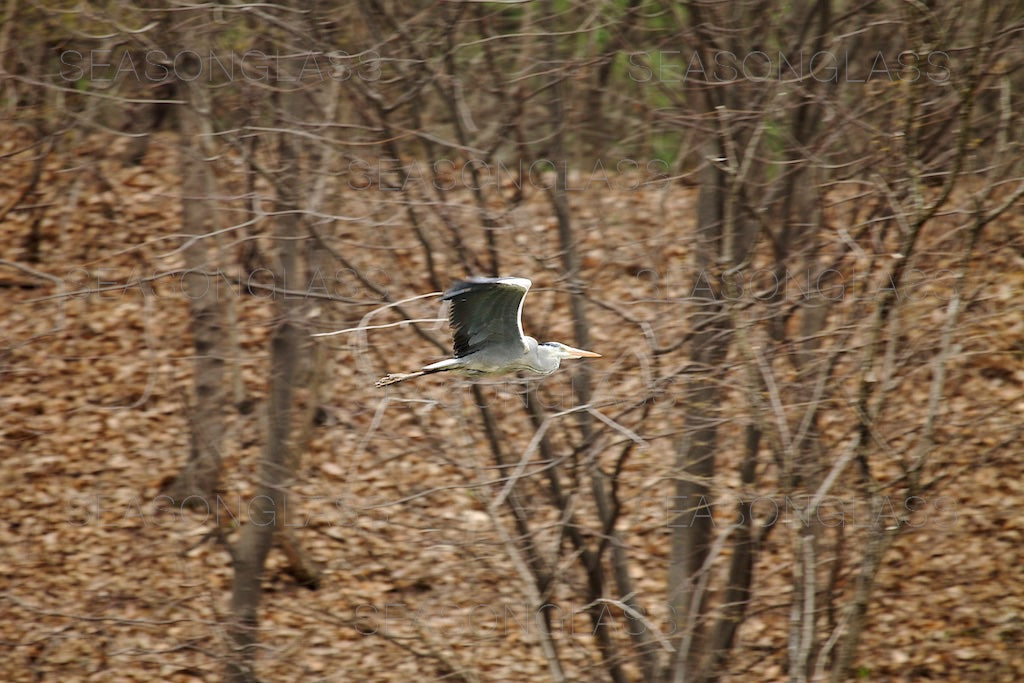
{"points": [[267, 509], [198, 480], [279, 461], [693, 527]]}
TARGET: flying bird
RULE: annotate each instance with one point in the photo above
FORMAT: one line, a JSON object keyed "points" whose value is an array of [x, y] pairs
{"points": [[486, 317]]}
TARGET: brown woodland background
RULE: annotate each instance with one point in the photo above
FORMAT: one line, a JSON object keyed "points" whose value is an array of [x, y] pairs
{"points": [[794, 231]]}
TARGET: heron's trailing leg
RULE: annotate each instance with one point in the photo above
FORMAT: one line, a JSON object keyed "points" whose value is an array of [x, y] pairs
{"points": [[394, 378]]}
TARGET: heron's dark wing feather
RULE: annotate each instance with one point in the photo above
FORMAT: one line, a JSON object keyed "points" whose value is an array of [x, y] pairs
{"points": [[485, 313]]}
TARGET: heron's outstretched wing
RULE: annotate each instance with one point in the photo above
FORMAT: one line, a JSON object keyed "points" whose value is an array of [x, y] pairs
{"points": [[487, 313]]}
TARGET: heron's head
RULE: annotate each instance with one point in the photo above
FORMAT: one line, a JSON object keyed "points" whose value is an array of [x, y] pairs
{"points": [[562, 351]]}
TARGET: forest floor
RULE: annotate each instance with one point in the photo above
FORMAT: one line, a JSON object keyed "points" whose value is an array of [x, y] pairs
{"points": [[101, 580]]}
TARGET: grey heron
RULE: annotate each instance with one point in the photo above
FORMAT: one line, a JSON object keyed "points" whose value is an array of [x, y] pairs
{"points": [[486, 317]]}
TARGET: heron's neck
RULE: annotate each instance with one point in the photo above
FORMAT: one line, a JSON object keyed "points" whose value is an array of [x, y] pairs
{"points": [[547, 359]]}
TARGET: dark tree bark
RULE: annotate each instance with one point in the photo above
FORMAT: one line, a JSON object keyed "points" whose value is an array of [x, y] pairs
{"points": [[692, 529]]}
